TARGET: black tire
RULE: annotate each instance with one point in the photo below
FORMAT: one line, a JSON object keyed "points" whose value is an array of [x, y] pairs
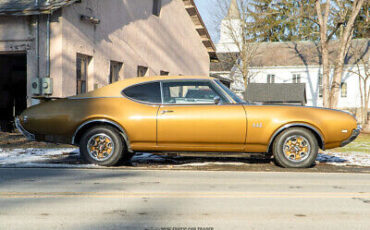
{"points": [[107, 131], [126, 156], [308, 139]]}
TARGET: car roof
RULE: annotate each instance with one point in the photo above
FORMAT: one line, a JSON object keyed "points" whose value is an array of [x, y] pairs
{"points": [[115, 89]]}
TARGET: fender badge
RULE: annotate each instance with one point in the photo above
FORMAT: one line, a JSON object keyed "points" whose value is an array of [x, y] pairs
{"points": [[344, 131]]}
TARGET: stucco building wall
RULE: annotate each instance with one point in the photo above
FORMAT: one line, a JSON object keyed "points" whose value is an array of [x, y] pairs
{"points": [[128, 33]]}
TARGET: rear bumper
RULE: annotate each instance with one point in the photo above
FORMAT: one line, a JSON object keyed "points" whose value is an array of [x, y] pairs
{"points": [[353, 136], [27, 134]]}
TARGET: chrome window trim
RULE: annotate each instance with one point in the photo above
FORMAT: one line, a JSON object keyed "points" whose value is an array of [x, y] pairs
{"points": [[161, 85], [211, 81], [231, 101], [199, 104], [296, 125], [80, 98], [217, 82], [119, 127]]}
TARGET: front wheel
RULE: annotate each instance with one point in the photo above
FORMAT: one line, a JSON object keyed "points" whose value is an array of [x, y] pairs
{"points": [[295, 148], [101, 145]]}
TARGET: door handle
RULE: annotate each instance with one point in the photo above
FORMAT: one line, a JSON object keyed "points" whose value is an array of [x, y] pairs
{"points": [[166, 111]]}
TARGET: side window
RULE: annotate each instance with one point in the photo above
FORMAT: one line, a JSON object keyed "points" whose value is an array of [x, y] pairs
{"points": [[115, 71], [190, 92], [270, 78], [296, 78], [142, 71], [157, 5], [343, 88], [148, 92], [82, 64], [320, 85]]}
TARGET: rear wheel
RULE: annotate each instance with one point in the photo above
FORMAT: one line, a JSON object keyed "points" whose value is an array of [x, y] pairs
{"points": [[295, 148], [101, 145]]}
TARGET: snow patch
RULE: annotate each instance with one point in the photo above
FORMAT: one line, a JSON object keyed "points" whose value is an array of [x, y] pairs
{"points": [[347, 158], [33, 155], [69, 158]]}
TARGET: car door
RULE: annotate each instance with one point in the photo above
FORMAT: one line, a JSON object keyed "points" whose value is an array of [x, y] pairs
{"points": [[189, 119]]}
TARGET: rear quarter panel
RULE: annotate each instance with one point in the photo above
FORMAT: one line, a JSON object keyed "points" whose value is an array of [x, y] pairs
{"points": [[63, 117], [264, 121]]}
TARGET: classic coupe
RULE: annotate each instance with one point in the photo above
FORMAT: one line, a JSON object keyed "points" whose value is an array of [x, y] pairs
{"points": [[184, 114]]}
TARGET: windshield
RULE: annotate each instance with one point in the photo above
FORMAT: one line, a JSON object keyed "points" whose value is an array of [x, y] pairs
{"points": [[230, 93]]}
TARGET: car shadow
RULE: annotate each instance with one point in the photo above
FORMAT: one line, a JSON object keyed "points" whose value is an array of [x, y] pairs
{"points": [[71, 158], [174, 159], [326, 158]]}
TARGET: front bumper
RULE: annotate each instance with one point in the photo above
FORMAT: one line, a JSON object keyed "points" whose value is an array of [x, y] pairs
{"points": [[353, 136], [27, 134]]}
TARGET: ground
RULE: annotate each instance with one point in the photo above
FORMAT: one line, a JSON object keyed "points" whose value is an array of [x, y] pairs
{"points": [[45, 186], [16, 151], [111, 198]]}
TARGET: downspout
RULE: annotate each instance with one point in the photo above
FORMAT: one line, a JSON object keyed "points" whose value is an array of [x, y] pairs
{"points": [[48, 46], [37, 41]]}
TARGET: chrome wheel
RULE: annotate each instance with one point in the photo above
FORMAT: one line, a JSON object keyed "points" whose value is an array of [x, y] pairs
{"points": [[100, 147], [296, 148]]}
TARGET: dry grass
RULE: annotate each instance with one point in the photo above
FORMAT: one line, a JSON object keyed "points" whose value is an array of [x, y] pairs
{"points": [[360, 145], [17, 140]]}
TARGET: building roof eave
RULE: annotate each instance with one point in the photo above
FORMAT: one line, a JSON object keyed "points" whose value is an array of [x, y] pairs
{"points": [[201, 29], [26, 10]]}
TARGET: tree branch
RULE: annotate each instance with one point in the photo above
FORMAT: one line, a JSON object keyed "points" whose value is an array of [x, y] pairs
{"points": [[335, 30]]}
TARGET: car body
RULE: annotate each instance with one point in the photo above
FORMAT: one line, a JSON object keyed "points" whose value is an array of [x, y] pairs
{"points": [[185, 114]]}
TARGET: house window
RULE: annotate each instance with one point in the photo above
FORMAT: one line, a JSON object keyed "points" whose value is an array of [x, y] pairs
{"points": [[296, 78], [142, 71], [270, 78], [157, 5], [82, 64], [115, 70], [343, 88], [320, 85], [164, 73]]}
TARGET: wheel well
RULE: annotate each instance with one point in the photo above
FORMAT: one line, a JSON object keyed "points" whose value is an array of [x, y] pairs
{"points": [[81, 130], [318, 137]]}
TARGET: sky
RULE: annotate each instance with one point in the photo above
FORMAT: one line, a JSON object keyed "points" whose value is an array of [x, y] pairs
{"points": [[211, 15]]}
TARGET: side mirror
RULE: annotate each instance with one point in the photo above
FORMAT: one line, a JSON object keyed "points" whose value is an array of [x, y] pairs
{"points": [[217, 100]]}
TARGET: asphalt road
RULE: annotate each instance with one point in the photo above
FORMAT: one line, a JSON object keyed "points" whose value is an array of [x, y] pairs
{"points": [[165, 199]]}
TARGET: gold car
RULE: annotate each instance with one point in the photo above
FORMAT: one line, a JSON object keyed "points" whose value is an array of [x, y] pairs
{"points": [[184, 114]]}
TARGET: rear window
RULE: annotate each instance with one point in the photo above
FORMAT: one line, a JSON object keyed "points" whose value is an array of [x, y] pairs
{"points": [[147, 92]]}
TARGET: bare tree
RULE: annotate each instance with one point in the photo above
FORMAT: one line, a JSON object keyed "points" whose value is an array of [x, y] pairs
{"points": [[323, 17], [345, 37], [236, 28], [361, 69], [336, 19], [332, 19]]}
